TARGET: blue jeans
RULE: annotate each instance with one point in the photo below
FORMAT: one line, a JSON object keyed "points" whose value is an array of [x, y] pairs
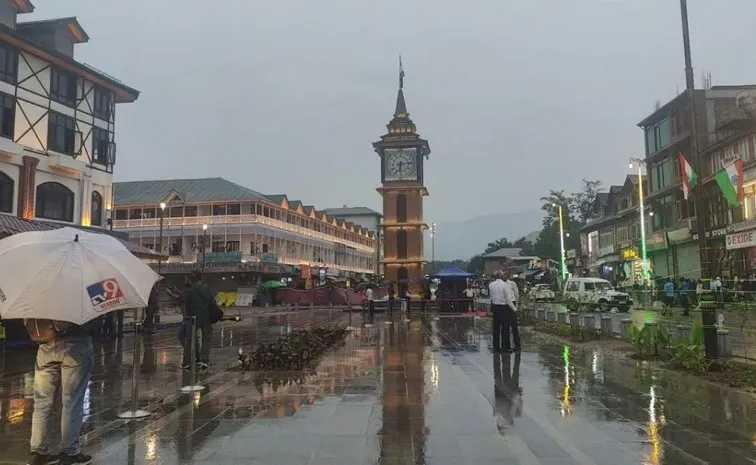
{"points": [[63, 366]]}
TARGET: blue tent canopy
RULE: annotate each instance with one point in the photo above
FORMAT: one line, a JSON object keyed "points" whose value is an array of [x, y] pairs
{"points": [[453, 272]]}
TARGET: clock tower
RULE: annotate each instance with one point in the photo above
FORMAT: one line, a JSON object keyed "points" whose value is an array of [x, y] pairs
{"points": [[402, 152]]}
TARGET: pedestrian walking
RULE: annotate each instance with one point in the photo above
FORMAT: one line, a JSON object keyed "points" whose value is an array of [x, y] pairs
{"points": [[197, 301], [683, 289], [515, 290], [369, 296], [63, 365], [669, 293], [391, 298]]}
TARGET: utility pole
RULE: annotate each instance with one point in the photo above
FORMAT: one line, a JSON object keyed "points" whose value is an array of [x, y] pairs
{"points": [[708, 315]]}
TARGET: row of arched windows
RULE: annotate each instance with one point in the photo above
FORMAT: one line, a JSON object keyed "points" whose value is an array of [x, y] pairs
{"points": [[53, 201]]}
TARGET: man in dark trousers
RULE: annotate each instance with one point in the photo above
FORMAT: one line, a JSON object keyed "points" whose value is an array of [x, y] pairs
{"points": [[196, 302], [153, 306], [500, 294], [510, 315]]}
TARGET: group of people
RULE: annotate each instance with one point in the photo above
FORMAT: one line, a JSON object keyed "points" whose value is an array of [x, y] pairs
{"points": [[64, 366], [504, 295]]}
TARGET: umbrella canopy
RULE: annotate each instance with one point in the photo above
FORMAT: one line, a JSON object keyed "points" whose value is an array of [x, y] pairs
{"points": [[272, 284], [453, 272], [70, 275]]}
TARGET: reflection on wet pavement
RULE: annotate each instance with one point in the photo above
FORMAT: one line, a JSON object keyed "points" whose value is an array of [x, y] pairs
{"points": [[426, 392]]}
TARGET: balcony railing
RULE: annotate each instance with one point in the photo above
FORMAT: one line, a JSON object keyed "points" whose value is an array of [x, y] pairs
{"points": [[196, 258], [237, 220]]}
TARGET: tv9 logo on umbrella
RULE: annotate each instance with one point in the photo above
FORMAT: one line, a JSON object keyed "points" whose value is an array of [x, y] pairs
{"points": [[106, 295]]}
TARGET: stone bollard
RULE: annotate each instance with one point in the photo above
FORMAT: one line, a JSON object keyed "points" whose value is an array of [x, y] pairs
{"points": [[575, 319], [562, 317], [625, 325], [589, 322], [683, 332], [724, 343], [606, 326]]}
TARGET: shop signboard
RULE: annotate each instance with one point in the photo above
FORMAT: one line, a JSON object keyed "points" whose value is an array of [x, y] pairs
{"points": [[223, 257], [269, 258], [741, 240], [742, 226], [679, 236], [656, 241], [629, 253], [572, 253]]}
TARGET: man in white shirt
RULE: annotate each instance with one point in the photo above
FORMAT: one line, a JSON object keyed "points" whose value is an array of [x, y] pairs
{"points": [[470, 296], [370, 304], [503, 308]]}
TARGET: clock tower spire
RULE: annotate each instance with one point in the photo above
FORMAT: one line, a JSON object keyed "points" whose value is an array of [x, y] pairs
{"points": [[402, 152]]}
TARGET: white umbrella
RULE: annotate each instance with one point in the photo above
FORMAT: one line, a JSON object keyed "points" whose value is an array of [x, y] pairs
{"points": [[70, 275]]}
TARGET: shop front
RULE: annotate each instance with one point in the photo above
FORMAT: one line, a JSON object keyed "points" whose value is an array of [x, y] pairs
{"points": [[719, 257], [630, 266], [658, 255], [741, 252], [686, 258]]}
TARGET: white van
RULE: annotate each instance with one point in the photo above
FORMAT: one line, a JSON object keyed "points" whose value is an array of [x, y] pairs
{"points": [[595, 293]]}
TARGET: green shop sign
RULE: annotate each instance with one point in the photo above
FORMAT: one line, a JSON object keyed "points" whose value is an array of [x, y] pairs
{"points": [[223, 257]]}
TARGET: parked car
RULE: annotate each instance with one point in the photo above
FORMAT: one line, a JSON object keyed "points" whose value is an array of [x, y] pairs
{"points": [[542, 293], [595, 293]]}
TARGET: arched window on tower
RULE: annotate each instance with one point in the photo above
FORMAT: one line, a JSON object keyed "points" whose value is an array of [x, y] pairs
{"points": [[54, 201], [96, 209], [6, 193], [401, 244], [401, 208]]}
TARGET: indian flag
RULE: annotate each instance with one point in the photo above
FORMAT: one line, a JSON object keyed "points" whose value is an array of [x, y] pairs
{"points": [[689, 176], [730, 180]]}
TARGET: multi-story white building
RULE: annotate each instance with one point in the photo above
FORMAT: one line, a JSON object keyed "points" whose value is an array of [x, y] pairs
{"points": [[230, 228], [367, 219], [57, 122]]}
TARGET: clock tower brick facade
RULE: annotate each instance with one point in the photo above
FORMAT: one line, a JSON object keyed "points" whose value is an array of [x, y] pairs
{"points": [[402, 153]]}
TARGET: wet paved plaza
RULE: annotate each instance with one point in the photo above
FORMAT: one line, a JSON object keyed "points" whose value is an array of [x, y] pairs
{"points": [[424, 392]]}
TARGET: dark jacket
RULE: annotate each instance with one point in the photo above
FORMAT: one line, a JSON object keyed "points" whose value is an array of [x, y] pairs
{"points": [[197, 297]]}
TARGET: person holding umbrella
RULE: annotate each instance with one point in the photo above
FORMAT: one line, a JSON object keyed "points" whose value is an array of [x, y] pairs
{"points": [[60, 282]]}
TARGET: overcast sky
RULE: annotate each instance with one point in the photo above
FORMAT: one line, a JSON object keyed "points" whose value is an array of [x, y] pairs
{"points": [[285, 96]]}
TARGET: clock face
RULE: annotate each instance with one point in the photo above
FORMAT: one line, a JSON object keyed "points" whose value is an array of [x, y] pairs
{"points": [[400, 164]]}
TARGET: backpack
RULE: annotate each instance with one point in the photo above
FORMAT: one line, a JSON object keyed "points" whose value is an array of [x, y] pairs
{"points": [[214, 312], [43, 331]]}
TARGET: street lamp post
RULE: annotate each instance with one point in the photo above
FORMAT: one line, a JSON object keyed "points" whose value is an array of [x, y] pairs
{"points": [[644, 258], [160, 239], [204, 247], [433, 247], [562, 264]]}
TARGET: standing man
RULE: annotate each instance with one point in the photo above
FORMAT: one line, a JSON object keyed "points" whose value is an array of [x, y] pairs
{"points": [[515, 290], [500, 294], [63, 366], [196, 302], [510, 315], [153, 307], [470, 296], [391, 298], [370, 304], [669, 293]]}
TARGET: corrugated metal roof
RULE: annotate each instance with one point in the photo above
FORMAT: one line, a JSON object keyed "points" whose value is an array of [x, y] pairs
{"points": [[504, 252], [190, 190], [352, 211], [10, 225]]}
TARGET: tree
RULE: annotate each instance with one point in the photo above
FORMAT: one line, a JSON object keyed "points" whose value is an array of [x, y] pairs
{"points": [[498, 244], [584, 203], [527, 247], [476, 265]]}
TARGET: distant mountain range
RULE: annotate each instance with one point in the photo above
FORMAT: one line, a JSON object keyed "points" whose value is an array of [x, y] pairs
{"points": [[464, 239]]}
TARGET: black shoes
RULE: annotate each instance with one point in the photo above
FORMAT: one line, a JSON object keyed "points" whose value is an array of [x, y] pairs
{"points": [[80, 459], [40, 459], [62, 459]]}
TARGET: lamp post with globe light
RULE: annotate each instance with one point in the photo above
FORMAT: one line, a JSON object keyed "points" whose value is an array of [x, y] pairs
{"points": [[562, 264], [160, 239], [204, 247], [644, 259]]}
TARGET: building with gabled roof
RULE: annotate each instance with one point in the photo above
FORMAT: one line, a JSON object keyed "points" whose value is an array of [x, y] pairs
{"points": [[57, 122], [236, 229]]}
